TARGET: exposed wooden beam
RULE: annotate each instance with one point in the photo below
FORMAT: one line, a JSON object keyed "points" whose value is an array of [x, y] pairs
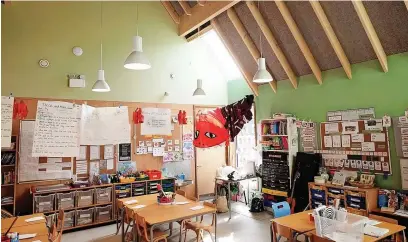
{"points": [[334, 41], [372, 35], [406, 3], [186, 8], [247, 76], [272, 42], [304, 48], [202, 14], [202, 32], [249, 43], [172, 12], [201, 2]]}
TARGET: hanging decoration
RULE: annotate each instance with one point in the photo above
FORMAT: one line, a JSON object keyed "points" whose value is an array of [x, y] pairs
{"points": [[138, 117], [182, 117], [222, 124], [20, 110]]}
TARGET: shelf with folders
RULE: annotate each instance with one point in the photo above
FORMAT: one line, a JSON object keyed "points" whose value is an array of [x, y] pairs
{"points": [[8, 175], [279, 142]]}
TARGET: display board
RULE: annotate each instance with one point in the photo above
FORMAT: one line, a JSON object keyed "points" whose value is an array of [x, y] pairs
{"points": [[351, 114], [308, 136], [361, 145], [400, 125]]}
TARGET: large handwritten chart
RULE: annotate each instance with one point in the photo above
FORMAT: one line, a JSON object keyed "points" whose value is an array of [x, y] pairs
{"points": [[56, 132], [105, 125], [6, 120], [157, 121]]}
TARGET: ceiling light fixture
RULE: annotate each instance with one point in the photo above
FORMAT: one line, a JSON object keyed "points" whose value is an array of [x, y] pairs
{"points": [[262, 75], [199, 92], [137, 59], [101, 85]]}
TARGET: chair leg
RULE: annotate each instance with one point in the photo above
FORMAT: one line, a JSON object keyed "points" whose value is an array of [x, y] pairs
{"points": [[181, 231], [185, 235]]}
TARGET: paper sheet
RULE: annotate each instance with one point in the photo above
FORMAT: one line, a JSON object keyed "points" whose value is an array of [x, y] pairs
{"points": [[110, 164], [28, 165], [181, 203], [54, 160], [336, 141], [7, 104], [104, 125], [139, 206], [94, 168], [377, 137], [373, 124], [197, 208], [357, 138], [331, 128], [328, 142], [82, 153], [95, 152], [157, 121], [81, 167], [33, 219], [103, 165], [368, 146], [158, 151], [108, 152], [345, 140], [350, 127], [404, 173], [56, 131], [131, 202]]}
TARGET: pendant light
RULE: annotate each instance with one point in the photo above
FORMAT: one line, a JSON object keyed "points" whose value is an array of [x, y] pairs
{"points": [[101, 85], [262, 75], [199, 92], [137, 59]]}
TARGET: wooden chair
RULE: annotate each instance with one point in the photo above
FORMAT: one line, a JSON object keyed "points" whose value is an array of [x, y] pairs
{"points": [[143, 231], [279, 231], [121, 208], [395, 237], [55, 235], [192, 198], [5, 214], [129, 218], [60, 221], [316, 238], [181, 193], [199, 227]]}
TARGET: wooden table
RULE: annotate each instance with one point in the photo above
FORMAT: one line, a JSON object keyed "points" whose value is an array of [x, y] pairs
{"points": [[22, 227], [300, 223], [156, 214]]}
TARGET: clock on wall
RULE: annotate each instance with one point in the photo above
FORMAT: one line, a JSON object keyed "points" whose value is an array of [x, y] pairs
{"points": [[44, 63]]}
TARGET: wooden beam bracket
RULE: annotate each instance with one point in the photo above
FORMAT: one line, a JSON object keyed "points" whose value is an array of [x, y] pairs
{"points": [[186, 8]]}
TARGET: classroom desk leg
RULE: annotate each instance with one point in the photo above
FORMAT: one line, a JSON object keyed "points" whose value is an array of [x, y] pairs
{"points": [[171, 228], [229, 199], [151, 232], [123, 224], [215, 229]]}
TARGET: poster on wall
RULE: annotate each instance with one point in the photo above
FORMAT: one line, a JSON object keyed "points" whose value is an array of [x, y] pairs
{"points": [[7, 104], [56, 131], [157, 121], [124, 152]]}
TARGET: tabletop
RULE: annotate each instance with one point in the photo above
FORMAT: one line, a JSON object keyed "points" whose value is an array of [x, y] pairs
{"points": [[39, 229], [6, 222], [298, 222], [157, 214]]}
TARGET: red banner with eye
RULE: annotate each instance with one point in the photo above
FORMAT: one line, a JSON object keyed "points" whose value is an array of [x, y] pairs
{"points": [[222, 124]]}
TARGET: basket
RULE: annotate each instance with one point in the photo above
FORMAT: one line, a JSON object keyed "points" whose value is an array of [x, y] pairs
{"points": [[127, 179], [69, 219], [153, 174], [84, 216], [103, 213], [65, 200], [103, 195], [84, 198], [44, 203], [342, 226]]}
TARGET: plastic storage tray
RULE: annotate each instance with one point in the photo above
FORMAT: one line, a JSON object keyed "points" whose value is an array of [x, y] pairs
{"points": [[123, 190], [44, 203], [65, 200], [103, 195], [69, 220], [84, 198], [84, 216], [103, 213], [50, 219], [138, 188]]}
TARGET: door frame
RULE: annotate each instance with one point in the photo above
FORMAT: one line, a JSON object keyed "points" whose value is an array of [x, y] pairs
{"points": [[195, 108]]}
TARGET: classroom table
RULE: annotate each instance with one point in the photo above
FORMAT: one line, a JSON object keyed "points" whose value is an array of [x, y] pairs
{"points": [[156, 214], [229, 188], [300, 223], [22, 227]]}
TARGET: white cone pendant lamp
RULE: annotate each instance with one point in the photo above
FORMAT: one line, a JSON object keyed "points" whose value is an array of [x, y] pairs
{"points": [[101, 85], [262, 75], [137, 59], [199, 90]]}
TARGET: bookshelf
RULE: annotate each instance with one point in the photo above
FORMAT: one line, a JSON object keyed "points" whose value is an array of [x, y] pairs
{"points": [[8, 175]]}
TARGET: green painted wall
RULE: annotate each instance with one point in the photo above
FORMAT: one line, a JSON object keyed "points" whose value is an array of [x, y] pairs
{"points": [[31, 31], [370, 87], [237, 89]]}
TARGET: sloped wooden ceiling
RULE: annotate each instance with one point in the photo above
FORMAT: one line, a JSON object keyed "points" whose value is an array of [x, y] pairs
{"points": [[358, 32]]}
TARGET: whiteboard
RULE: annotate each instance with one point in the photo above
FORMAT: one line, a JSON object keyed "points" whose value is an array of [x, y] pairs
{"points": [[157, 121]]}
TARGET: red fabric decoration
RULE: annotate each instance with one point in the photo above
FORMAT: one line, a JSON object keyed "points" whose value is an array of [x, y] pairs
{"points": [[20, 110], [210, 130], [182, 117], [138, 117]]}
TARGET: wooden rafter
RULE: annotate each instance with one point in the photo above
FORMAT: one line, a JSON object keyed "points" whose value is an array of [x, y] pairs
{"points": [[335, 43], [272, 42], [247, 76], [406, 3], [202, 14], [172, 12], [249, 43], [304, 48], [201, 2], [371, 34], [202, 32], [186, 8]]}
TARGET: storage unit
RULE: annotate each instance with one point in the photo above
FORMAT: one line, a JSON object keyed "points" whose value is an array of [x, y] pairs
{"points": [[152, 187], [360, 201], [168, 185], [69, 221], [279, 140], [65, 200], [8, 175], [123, 190], [138, 189], [103, 195], [44, 203], [84, 198], [103, 213], [84, 216]]}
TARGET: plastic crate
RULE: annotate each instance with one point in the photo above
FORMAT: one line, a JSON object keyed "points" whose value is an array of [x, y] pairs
{"points": [[153, 174], [103, 213], [342, 226], [84, 198], [103, 195], [44, 203], [50, 219], [84, 216], [65, 200], [69, 220]]}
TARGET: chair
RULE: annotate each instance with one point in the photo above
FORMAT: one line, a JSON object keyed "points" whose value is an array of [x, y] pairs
{"points": [[121, 208], [279, 231], [144, 233], [60, 221], [192, 198], [199, 227], [316, 238], [129, 218], [181, 193], [5, 214], [55, 235]]}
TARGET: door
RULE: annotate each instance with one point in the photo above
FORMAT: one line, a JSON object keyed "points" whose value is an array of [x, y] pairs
{"points": [[207, 162]]}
